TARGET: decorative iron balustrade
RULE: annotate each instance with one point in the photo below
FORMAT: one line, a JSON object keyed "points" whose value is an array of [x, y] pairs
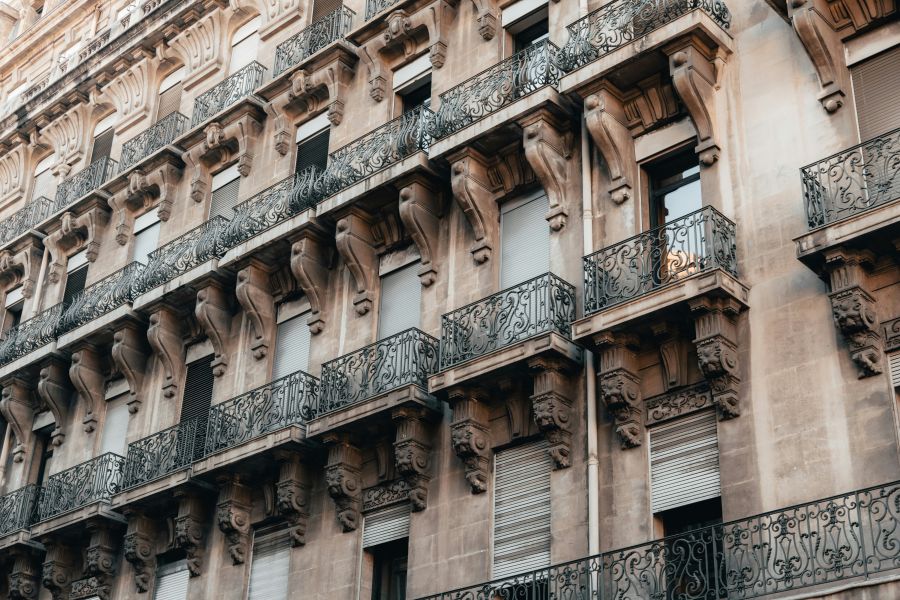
{"points": [[157, 136], [182, 254], [700, 241], [101, 297], [162, 453], [276, 405], [25, 218], [228, 92], [28, 336], [407, 358], [523, 73], [373, 7], [93, 481], [85, 181], [622, 22], [544, 304], [852, 181], [850, 536], [17, 509], [310, 40]]}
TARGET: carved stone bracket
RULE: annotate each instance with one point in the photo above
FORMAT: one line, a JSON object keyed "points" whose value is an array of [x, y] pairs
{"points": [[129, 353], [222, 145], [470, 435], [420, 211], [21, 268], [233, 516], [548, 147], [620, 386], [165, 337], [139, 194], [86, 373], [83, 231], [312, 256], [356, 243], [487, 16], [821, 44], [292, 491], [214, 317], [473, 192], [552, 407], [56, 573], [101, 553], [55, 390], [716, 341], [190, 530], [343, 479], [23, 581], [17, 408], [604, 116], [412, 453], [254, 293], [673, 354], [139, 548]]}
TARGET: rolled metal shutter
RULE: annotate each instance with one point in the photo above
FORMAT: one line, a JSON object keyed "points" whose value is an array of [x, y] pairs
{"points": [[313, 151], [198, 391], [169, 102], [102, 145], [224, 195], [244, 46], [386, 525], [172, 581], [43, 184], [115, 428], [524, 241], [292, 346], [145, 242], [75, 280], [521, 509], [894, 366], [684, 461], [401, 300], [323, 8], [271, 565], [876, 87]]}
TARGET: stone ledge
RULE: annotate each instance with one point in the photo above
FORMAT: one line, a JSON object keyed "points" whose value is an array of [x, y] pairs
{"points": [[353, 415], [292, 434], [20, 537], [195, 275], [34, 356], [106, 322], [98, 508], [151, 488], [266, 238]]}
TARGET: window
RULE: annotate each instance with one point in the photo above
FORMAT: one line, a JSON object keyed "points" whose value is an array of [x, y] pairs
{"points": [[103, 139], [312, 144], [674, 188], [169, 100], [894, 369], [386, 547], [198, 391], [225, 187], [146, 236], [14, 303], [876, 85], [172, 580], [527, 22], [524, 240], [115, 427], [400, 302], [244, 46], [43, 452], [412, 83], [420, 95], [292, 346], [76, 276], [270, 567], [44, 182], [533, 34]]}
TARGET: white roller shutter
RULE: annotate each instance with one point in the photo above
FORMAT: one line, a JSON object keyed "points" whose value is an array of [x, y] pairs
{"points": [[244, 46], [524, 241], [876, 87], [401, 300], [172, 581], [146, 236], [894, 362], [225, 188], [14, 295], [43, 180], [115, 428], [271, 566], [521, 509], [386, 525], [684, 461], [292, 346]]}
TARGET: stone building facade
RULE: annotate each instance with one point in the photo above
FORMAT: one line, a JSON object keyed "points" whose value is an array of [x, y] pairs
{"points": [[519, 299]]}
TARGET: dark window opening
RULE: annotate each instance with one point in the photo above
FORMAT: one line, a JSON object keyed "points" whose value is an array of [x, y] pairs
{"points": [[102, 145], [198, 390], [323, 8], [13, 315], [43, 452], [693, 540], [674, 188], [389, 575], [532, 34], [313, 152], [417, 96], [75, 281]]}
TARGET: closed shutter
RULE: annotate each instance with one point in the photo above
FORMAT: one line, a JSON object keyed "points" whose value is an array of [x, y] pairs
{"points": [[894, 362], [313, 151], [169, 102], [323, 8], [521, 509], [226, 186], [684, 461], [401, 299], [198, 391], [172, 581], [386, 525], [292, 347], [271, 566], [75, 280], [43, 184], [102, 145], [146, 237], [115, 428], [244, 46], [876, 87], [524, 241]]}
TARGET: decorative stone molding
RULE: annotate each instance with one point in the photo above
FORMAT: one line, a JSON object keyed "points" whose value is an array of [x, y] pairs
{"points": [[201, 48], [21, 268], [233, 516], [189, 529], [292, 493], [54, 390], [84, 231], [673, 355], [604, 116], [14, 164], [138, 548], [420, 211], [473, 192], [56, 572], [129, 355], [487, 16], [220, 146], [620, 386], [678, 403], [385, 494], [68, 135], [823, 48], [214, 317], [86, 373], [254, 293], [891, 331], [23, 580], [650, 102], [552, 407], [548, 147], [412, 453], [356, 243], [344, 480], [131, 93], [101, 553], [276, 14], [716, 341], [470, 435], [138, 196], [312, 255], [165, 337], [695, 70], [17, 408]]}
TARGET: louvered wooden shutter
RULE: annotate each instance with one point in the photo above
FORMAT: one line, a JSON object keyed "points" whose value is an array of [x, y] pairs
{"points": [[401, 300], [224, 198], [198, 390], [876, 87], [169, 102], [115, 428], [292, 347], [102, 145], [43, 184], [894, 366], [386, 525], [313, 151], [323, 8], [524, 241], [271, 566], [684, 461], [75, 280], [172, 581], [521, 509]]}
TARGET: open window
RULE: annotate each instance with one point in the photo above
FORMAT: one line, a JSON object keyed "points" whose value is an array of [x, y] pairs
{"points": [[412, 84], [198, 393], [386, 552], [13, 303], [674, 188], [527, 22]]}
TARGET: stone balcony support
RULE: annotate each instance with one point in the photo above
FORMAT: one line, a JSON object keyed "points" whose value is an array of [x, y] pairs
{"points": [[343, 479]]}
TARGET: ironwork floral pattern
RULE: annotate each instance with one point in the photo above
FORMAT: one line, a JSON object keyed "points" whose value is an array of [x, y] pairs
{"points": [[101, 297], [310, 40], [17, 509], [228, 92], [93, 481], [24, 219], [27, 336], [157, 136], [162, 453], [373, 7], [85, 181]]}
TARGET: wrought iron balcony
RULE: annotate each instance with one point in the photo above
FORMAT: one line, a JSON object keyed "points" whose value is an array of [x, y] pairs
{"points": [[163, 453], [523, 73], [182, 254], [852, 181], [373, 7], [84, 182], [228, 92], [28, 336], [622, 22], [96, 480], [700, 241], [157, 136], [407, 358], [25, 218], [276, 405], [101, 297], [17, 509], [544, 304], [310, 40]]}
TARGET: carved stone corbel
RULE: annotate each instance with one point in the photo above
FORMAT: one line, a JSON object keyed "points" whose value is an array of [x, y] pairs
{"points": [[23, 581], [214, 317], [129, 354], [86, 373], [312, 256], [620, 386], [55, 390], [189, 529], [17, 408], [470, 435], [548, 147], [420, 211], [487, 17], [437, 19], [356, 244], [138, 548], [377, 81], [56, 572], [472, 190], [820, 41], [552, 408], [233, 516], [292, 491], [221, 145], [165, 337], [83, 231], [604, 116], [101, 553], [673, 355], [344, 480], [139, 194], [254, 293], [716, 341], [412, 453], [21, 268], [693, 67]]}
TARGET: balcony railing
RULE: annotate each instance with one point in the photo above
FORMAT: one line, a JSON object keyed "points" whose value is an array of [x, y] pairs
{"points": [[276, 405], [851, 536], [25, 218], [17, 509], [182, 254], [622, 22], [28, 336], [518, 76], [96, 480], [162, 453], [373, 7], [85, 181], [544, 304], [407, 358], [228, 92], [157, 136], [852, 181], [700, 241], [310, 40], [101, 297]]}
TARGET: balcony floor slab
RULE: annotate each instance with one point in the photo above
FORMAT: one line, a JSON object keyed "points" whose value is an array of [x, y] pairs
{"points": [[360, 415], [105, 324], [146, 491], [32, 357], [264, 239], [78, 515], [251, 451], [199, 273], [20, 537]]}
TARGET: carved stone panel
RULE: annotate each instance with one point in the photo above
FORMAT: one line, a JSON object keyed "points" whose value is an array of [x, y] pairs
{"points": [[74, 234], [311, 259], [233, 516], [473, 192], [24, 574], [87, 375], [129, 354], [17, 408], [470, 435], [343, 479], [292, 491], [420, 211], [56, 573], [412, 453], [214, 317], [190, 529], [620, 387], [552, 407], [138, 548], [548, 147], [55, 390], [716, 341], [356, 243], [165, 337]]}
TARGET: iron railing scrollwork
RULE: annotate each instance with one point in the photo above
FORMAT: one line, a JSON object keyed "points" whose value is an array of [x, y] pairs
{"points": [[162, 453], [407, 358], [25, 218], [700, 241], [541, 305], [17, 509], [852, 181], [228, 92], [310, 40], [85, 181], [157, 136], [29, 335], [518, 76], [101, 297], [96, 480], [373, 7]]}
